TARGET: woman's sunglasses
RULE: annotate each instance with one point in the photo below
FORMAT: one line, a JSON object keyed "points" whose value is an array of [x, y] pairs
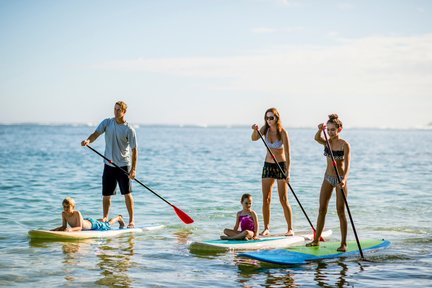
{"points": [[270, 118]]}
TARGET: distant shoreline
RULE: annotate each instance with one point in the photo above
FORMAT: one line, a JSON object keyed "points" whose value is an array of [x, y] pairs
{"points": [[139, 125]]}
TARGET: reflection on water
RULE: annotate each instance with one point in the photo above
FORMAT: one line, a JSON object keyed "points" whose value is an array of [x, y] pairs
{"points": [[322, 275], [73, 252], [69, 249], [115, 261], [249, 271], [207, 254], [284, 278], [182, 236], [325, 274]]}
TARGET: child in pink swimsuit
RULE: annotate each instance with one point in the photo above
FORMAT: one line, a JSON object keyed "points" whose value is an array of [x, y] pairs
{"points": [[246, 226]]}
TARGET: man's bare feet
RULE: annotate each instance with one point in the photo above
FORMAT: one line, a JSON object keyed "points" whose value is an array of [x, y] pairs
{"points": [[342, 248], [121, 222], [312, 244], [265, 232], [223, 237], [131, 225], [290, 233], [104, 219]]}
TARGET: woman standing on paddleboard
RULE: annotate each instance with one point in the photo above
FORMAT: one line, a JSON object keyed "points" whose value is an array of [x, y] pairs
{"points": [[276, 138], [342, 155]]}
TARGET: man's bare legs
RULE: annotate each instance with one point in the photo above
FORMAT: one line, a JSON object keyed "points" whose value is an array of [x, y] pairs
{"points": [[130, 207], [106, 203]]}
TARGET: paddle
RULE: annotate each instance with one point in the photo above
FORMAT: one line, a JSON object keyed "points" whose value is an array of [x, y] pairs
{"points": [[343, 192], [289, 185], [182, 215]]}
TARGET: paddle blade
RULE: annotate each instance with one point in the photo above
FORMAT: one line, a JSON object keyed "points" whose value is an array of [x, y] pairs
{"points": [[183, 216], [321, 238]]}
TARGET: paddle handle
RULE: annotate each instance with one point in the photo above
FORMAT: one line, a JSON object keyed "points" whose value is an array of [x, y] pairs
{"points": [[127, 173], [181, 214]]}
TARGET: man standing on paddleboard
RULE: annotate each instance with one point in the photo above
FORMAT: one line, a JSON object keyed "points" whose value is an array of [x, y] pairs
{"points": [[121, 146]]}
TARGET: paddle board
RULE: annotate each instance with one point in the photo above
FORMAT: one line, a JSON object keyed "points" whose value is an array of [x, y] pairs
{"points": [[302, 254], [266, 242], [63, 235]]}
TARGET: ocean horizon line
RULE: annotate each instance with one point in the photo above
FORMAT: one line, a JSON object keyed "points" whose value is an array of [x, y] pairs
{"points": [[179, 125]]}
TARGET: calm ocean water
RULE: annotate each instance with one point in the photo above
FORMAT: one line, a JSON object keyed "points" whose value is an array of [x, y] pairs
{"points": [[204, 171]]}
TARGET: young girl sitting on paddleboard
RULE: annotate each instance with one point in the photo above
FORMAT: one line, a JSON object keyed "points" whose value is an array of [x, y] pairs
{"points": [[77, 222], [247, 221], [342, 155]]}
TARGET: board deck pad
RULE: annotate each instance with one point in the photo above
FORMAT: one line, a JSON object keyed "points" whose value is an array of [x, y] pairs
{"points": [[326, 250], [87, 234], [267, 242]]}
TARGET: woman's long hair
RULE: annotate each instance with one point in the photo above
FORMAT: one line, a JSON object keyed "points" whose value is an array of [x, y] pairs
{"points": [[278, 122]]}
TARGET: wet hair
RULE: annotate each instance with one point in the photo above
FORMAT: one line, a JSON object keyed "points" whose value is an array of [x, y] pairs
{"points": [[122, 105], [69, 201], [334, 119], [278, 122], [245, 196]]}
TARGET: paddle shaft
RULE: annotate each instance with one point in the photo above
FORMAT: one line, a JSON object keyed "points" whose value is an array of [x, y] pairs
{"points": [[343, 192], [127, 173], [289, 185]]}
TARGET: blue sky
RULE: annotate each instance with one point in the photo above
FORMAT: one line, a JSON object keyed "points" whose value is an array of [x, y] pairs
{"points": [[220, 62]]}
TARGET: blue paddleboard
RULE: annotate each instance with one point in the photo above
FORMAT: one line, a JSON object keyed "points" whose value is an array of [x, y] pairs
{"points": [[302, 254]]}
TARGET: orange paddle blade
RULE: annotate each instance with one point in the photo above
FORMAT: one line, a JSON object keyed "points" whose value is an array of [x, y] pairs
{"points": [[183, 216]]}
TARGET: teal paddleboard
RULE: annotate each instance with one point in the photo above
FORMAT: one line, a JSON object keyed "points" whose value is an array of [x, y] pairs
{"points": [[265, 242], [302, 254]]}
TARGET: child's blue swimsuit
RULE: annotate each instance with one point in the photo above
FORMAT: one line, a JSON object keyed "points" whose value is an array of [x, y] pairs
{"points": [[98, 225]]}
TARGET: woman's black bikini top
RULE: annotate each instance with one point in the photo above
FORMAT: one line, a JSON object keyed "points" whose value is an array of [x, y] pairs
{"points": [[338, 155]]}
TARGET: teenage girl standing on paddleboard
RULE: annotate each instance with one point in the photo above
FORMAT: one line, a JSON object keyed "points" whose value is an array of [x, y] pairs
{"points": [[277, 140], [342, 155]]}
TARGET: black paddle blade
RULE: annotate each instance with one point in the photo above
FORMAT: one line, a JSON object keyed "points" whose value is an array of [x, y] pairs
{"points": [[183, 216]]}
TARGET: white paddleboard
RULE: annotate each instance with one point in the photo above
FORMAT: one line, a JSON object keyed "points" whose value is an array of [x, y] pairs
{"points": [[265, 242], [63, 235]]}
